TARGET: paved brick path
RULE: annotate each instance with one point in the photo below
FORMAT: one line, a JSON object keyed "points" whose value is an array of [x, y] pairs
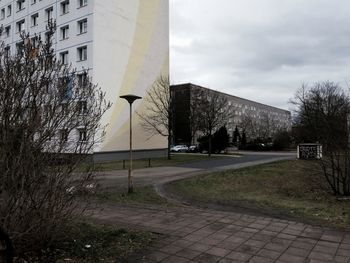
{"points": [[202, 235]]}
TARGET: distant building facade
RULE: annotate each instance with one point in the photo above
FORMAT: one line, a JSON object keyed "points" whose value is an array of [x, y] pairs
{"points": [[246, 113]]}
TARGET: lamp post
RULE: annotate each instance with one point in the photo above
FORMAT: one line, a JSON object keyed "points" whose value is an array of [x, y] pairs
{"points": [[130, 98]]}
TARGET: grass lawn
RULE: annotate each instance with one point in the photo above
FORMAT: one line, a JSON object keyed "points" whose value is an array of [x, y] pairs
{"points": [[290, 187], [141, 195], [87, 242], [176, 159]]}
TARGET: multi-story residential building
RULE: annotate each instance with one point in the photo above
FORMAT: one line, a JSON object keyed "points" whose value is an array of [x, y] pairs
{"points": [[242, 111], [124, 44]]}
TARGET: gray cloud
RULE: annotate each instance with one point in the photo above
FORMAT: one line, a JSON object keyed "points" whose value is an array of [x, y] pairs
{"points": [[260, 50]]}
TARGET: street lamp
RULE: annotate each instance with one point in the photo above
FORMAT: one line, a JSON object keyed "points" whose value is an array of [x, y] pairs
{"points": [[130, 98]]}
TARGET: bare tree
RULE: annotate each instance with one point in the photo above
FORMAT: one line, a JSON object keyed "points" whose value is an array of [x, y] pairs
{"points": [[49, 123], [323, 116], [248, 125], [263, 128], [266, 127], [195, 120], [158, 116], [215, 111]]}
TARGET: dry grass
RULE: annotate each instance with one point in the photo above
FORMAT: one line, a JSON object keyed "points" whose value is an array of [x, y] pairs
{"points": [[141, 195], [87, 242], [293, 187], [176, 159]]}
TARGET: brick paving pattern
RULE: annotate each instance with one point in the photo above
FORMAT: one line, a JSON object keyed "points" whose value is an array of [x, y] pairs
{"points": [[203, 235]]}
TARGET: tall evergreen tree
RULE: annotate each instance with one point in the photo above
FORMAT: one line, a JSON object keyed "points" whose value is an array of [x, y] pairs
{"points": [[236, 136], [221, 139], [244, 139]]}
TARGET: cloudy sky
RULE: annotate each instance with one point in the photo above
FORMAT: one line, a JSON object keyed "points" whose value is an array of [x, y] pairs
{"points": [[261, 50]]}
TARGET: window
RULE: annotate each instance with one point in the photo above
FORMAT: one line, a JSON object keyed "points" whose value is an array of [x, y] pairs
{"points": [[64, 135], [82, 107], [9, 10], [82, 78], [48, 134], [47, 110], [64, 109], [35, 41], [65, 7], [48, 37], [49, 13], [82, 26], [82, 135], [35, 19], [7, 31], [20, 26], [82, 53], [82, 3], [7, 51], [65, 87], [20, 48], [64, 32], [2, 15], [33, 2], [64, 57], [20, 5]]}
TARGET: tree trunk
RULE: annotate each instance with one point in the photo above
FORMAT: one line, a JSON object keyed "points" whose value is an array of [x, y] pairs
{"points": [[209, 150], [169, 143]]}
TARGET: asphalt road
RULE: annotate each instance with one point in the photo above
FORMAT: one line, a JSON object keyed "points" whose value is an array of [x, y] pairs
{"points": [[247, 157], [161, 175]]}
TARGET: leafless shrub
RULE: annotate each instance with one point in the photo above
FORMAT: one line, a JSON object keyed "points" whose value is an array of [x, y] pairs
{"points": [[323, 116], [49, 123]]}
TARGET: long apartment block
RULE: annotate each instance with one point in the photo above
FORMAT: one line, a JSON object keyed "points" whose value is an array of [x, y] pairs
{"points": [[123, 43], [240, 107]]}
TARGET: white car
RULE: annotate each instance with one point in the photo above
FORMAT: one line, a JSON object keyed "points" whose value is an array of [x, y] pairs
{"points": [[179, 148]]}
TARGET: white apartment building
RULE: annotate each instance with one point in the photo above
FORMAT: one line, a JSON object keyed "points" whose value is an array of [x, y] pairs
{"points": [[73, 40], [123, 43]]}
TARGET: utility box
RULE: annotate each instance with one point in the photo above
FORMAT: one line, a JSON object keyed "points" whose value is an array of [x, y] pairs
{"points": [[309, 151]]}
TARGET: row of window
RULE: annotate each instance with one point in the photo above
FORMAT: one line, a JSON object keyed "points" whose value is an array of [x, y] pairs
{"points": [[20, 4], [82, 135], [82, 52], [82, 26], [81, 55], [81, 108], [64, 32]]}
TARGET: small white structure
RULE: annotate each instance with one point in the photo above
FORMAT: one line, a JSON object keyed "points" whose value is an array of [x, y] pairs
{"points": [[309, 151]]}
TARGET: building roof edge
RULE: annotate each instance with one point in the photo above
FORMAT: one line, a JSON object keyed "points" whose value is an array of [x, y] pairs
{"points": [[199, 86]]}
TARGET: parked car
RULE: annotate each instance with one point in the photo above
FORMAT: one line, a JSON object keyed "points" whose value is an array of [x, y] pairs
{"points": [[179, 148], [193, 149]]}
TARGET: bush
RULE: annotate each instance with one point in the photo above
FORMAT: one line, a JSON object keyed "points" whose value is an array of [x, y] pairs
{"points": [[42, 102], [220, 141], [282, 140]]}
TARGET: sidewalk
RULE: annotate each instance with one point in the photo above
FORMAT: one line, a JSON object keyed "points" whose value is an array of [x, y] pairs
{"points": [[204, 235]]}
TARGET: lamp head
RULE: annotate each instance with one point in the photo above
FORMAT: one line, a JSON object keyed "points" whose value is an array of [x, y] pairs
{"points": [[130, 98]]}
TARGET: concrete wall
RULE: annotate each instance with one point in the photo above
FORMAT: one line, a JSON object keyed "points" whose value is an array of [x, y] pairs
{"points": [[131, 50]]}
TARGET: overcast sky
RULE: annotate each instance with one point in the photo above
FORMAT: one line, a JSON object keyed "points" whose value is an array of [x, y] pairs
{"points": [[261, 50]]}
